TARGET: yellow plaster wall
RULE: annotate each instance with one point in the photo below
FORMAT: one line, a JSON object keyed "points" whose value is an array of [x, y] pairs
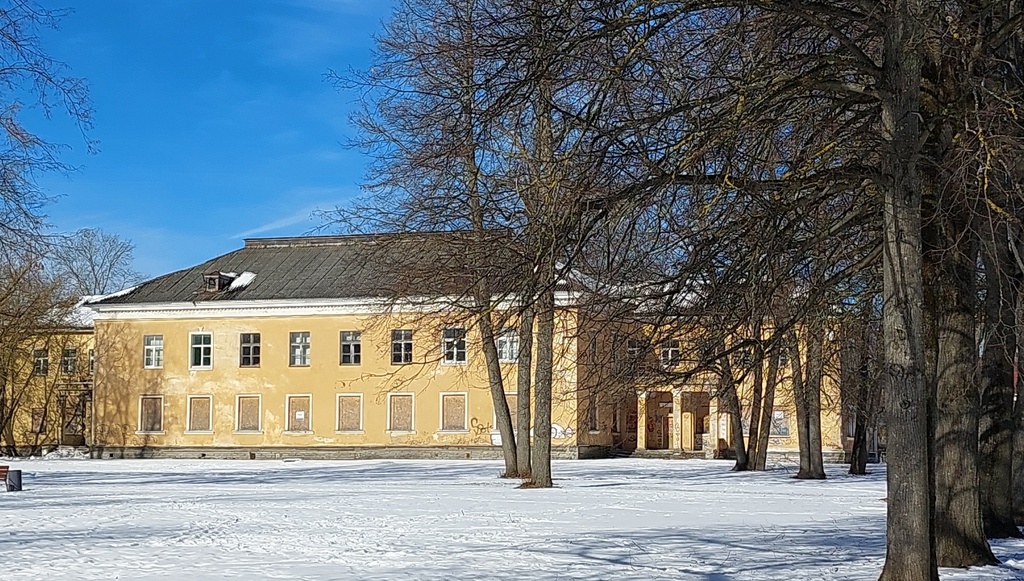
{"points": [[41, 391], [122, 379]]}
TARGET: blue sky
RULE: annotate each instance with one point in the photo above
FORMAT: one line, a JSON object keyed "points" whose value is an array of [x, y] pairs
{"points": [[213, 120]]}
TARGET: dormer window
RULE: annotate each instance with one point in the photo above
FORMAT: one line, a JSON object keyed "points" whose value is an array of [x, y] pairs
{"points": [[217, 281]]}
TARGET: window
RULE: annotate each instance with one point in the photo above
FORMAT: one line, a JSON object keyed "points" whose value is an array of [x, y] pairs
{"points": [[508, 346], [617, 419], [249, 350], [671, 353], [92, 361], [200, 413], [634, 347], [201, 356], [38, 420], [453, 412], [153, 351], [401, 346], [400, 412], [248, 414], [299, 349], [592, 350], [592, 424], [298, 409], [351, 348], [350, 412], [151, 414], [40, 362], [780, 423], [68, 361], [453, 346]]}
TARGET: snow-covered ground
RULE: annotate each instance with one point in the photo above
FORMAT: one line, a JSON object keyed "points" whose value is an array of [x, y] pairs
{"points": [[607, 519]]}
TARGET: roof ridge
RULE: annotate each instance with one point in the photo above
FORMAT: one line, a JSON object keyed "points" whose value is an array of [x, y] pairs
{"points": [[340, 239]]}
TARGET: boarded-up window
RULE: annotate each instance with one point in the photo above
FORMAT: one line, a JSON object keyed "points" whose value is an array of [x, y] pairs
{"points": [[151, 414], [199, 414], [248, 413], [38, 420], [400, 412], [350, 411], [513, 402], [453, 412], [298, 413]]}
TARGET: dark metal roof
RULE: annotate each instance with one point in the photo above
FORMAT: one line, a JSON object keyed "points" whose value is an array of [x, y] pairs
{"points": [[326, 267]]}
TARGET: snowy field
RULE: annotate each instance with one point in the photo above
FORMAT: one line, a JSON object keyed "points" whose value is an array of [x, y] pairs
{"points": [[387, 520]]}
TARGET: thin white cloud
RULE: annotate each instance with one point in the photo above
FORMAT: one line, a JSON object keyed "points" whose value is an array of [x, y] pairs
{"points": [[296, 218]]}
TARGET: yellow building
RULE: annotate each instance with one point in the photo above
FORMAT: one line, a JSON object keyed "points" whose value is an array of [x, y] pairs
{"points": [[299, 347], [48, 388]]}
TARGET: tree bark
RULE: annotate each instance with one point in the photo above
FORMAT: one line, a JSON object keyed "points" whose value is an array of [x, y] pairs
{"points": [[799, 399], [996, 423], [767, 411], [523, 398], [731, 401], [540, 476], [502, 415], [910, 547], [811, 400], [756, 400], [949, 275]]}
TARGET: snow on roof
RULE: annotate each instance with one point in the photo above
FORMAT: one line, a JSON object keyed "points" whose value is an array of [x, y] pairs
{"points": [[88, 299], [243, 280]]}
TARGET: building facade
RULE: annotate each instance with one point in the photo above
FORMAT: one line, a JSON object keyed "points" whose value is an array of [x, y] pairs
{"points": [[301, 347]]}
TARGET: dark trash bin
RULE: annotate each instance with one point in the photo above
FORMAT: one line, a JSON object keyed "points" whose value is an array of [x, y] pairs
{"points": [[13, 480]]}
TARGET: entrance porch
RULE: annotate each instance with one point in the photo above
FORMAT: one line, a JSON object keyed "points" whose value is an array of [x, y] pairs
{"points": [[671, 421]]}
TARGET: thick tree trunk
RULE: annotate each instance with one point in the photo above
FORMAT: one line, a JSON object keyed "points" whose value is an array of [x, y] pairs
{"points": [[756, 400], [949, 274], [799, 399], [867, 397], [502, 415], [540, 476], [996, 424], [812, 400], [910, 546], [731, 401], [523, 398], [1018, 422], [767, 411]]}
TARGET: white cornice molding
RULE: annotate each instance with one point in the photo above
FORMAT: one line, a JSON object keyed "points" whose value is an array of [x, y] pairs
{"points": [[293, 308]]}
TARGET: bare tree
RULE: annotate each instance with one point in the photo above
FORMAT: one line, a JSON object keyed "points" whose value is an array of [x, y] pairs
{"points": [[94, 262]]}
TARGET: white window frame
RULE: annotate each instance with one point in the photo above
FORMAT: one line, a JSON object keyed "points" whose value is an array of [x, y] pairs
{"points": [[508, 346], [44, 368], [455, 347], [412, 413], [188, 411], [671, 353], [355, 347], [259, 416], [192, 367], [147, 349], [288, 412], [465, 412], [64, 360], [309, 348], [337, 413], [403, 341], [138, 426], [771, 425]]}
